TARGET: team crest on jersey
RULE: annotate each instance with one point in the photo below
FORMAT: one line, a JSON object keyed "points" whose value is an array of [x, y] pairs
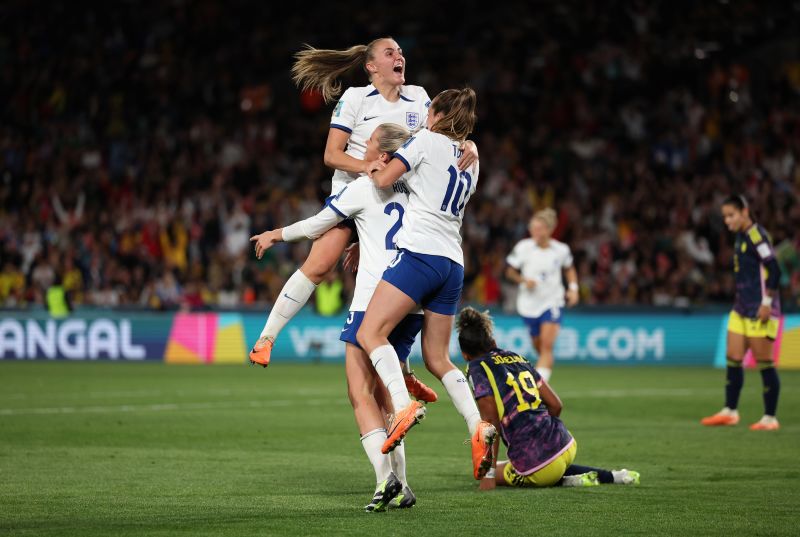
{"points": [[412, 120]]}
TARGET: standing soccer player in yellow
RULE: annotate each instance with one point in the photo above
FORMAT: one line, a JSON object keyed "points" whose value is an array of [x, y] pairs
{"points": [[753, 323]]}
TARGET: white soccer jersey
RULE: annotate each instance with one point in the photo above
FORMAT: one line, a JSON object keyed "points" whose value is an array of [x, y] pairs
{"points": [[439, 193], [362, 109], [544, 266], [378, 214]]}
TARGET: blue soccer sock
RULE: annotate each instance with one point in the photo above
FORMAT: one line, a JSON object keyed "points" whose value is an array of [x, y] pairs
{"points": [[772, 387], [604, 476], [733, 387]]}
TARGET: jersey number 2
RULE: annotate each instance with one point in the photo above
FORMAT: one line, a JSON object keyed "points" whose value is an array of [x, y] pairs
{"points": [[389, 209], [464, 180]]}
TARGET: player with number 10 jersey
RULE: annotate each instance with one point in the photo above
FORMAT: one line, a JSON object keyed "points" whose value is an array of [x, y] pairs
{"points": [[429, 268]]}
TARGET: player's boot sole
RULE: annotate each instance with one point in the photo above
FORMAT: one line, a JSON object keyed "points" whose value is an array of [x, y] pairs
{"points": [[482, 454], [403, 422], [720, 420], [419, 390], [261, 352]]}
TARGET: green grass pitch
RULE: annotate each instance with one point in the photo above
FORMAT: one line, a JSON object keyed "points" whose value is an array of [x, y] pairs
{"points": [[149, 449]]}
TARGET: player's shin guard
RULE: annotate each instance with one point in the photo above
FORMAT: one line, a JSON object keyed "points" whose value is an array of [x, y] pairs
{"points": [[734, 376], [458, 389], [387, 365], [372, 442], [294, 295], [772, 387]]}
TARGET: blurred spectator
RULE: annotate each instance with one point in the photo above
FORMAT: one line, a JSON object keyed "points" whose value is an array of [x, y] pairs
{"points": [[141, 145]]}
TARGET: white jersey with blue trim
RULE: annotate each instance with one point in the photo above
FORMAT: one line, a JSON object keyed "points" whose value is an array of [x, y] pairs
{"points": [[378, 214], [544, 266], [439, 194], [362, 109]]}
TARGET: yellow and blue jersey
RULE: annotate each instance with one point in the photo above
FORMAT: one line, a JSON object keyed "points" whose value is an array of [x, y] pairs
{"points": [[534, 438], [755, 269]]}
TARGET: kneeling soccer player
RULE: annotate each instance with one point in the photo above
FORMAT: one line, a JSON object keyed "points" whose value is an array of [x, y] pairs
{"points": [[513, 397]]}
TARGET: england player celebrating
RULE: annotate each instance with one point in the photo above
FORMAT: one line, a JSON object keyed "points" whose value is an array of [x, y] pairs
{"points": [[378, 215], [536, 264], [753, 323], [359, 111], [429, 268]]}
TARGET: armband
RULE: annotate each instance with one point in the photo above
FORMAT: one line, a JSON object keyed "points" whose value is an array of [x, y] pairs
{"points": [[573, 286]]}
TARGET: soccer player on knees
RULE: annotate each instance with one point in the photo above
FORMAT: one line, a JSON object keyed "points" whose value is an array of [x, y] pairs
{"points": [[536, 264], [753, 322], [513, 396], [359, 111], [378, 215], [428, 270]]}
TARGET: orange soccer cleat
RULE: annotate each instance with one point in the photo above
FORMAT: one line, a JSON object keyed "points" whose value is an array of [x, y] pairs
{"points": [[482, 453], [419, 390], [261, 352], [402, 423], [767, 423], [724, 417]]}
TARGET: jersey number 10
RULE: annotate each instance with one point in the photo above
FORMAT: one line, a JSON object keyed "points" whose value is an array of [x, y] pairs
{"points": [[464, 180]]}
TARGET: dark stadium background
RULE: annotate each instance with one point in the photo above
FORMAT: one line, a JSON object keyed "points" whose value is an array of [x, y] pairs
{"points": [[176, 129]]}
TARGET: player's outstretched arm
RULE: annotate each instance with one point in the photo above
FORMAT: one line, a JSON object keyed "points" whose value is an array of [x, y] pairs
{"points": [[310, 228]]}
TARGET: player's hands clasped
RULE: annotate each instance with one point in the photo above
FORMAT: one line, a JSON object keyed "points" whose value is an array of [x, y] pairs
{"points": [[264, 241], [373, 166]]}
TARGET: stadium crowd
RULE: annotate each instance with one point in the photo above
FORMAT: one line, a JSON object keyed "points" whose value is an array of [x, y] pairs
{"points": [[142, 145]]}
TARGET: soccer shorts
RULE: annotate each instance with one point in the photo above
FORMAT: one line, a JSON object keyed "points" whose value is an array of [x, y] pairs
{"points": [[432, 281], [748, 327], [534, 324], [401, 338], [546, 476]]}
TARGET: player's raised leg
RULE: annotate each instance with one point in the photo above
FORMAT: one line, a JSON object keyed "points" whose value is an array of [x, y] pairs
{"points": [[734, 376], [388, 306], [325, 253]]}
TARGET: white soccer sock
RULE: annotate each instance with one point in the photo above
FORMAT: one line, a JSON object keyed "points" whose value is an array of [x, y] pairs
{"points": [[386, 364], [372, 443], [458, 389], [545, 372], [294, 295], [406, 367], [398, 459]]}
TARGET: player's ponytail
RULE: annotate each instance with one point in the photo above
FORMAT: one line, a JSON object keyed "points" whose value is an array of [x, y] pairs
{"points": [[391, 136], [458, 109], [320, 69], [475, 332]]}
